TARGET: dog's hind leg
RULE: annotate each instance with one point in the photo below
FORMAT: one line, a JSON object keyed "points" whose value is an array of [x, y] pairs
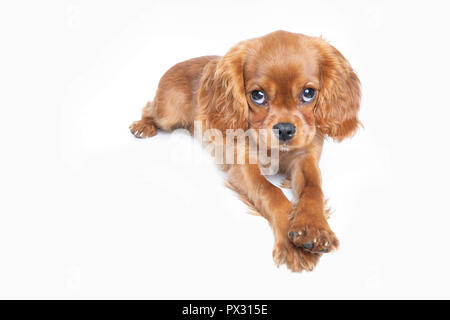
{"points": [[144, 128]]}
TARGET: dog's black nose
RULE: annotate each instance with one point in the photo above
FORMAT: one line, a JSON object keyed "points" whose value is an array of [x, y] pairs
{"points": [[284, 131]]}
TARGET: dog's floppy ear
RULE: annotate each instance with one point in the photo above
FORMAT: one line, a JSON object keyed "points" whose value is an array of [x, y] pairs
{"points": [[337, 105], [222, 101]]}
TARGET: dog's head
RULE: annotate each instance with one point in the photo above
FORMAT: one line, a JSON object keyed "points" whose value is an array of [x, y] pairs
{"points": [[292, 85]]}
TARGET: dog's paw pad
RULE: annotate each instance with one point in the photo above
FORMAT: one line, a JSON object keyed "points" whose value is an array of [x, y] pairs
{"points": [[308, 245], [314, 240]]}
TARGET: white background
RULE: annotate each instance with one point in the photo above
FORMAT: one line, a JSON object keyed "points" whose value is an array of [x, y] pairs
{"points": [[87, 211]]}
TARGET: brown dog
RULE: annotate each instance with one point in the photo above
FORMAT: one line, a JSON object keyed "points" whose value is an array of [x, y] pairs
{"points": [[297, 88]]}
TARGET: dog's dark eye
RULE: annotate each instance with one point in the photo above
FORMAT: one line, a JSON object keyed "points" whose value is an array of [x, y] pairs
{"points": [[308, 94], [258, 97]]}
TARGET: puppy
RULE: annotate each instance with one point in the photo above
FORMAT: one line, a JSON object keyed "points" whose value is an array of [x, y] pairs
{"points": [[296, 88]]}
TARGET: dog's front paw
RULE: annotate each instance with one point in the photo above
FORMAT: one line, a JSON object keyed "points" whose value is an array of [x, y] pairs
{"points": [[312, 234], [284, 252]]}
